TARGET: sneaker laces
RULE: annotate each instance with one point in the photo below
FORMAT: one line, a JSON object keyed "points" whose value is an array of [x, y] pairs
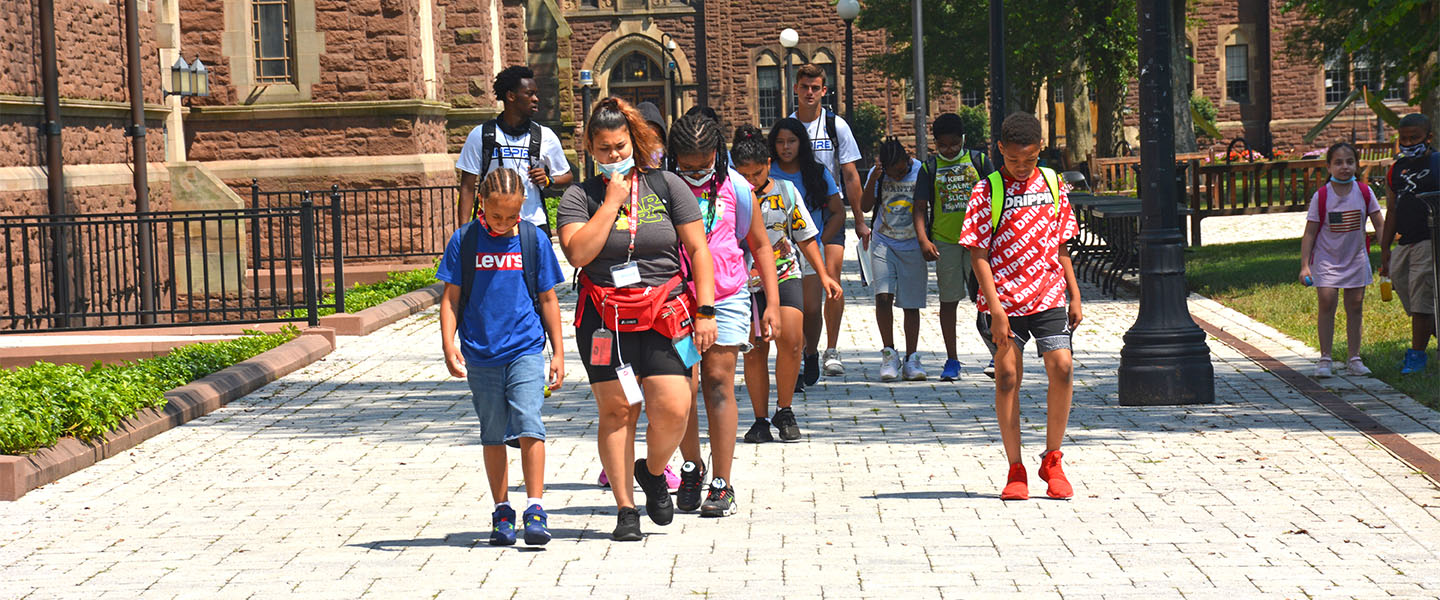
{"points": [[718, 492]]}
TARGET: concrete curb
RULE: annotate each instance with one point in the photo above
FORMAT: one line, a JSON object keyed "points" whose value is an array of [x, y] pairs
{"points": [[20, 474], [369, 320]]}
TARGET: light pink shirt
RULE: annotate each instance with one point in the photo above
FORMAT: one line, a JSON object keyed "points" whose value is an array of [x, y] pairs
{"points": [[1340, 258], [730, 270]]}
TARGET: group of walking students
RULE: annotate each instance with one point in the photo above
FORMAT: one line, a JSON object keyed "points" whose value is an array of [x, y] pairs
{"points": [[693, 249]]}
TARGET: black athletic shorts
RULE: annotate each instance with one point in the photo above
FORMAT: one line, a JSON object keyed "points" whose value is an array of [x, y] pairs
{"points": [[649, 353], [792, 294], [1050, 328]]}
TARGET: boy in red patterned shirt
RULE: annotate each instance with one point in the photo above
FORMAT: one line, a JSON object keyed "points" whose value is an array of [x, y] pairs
{"points": [[1023, 267]]}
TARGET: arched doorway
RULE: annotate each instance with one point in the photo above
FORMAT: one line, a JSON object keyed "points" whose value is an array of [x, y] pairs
{"points": [[636, 78]]}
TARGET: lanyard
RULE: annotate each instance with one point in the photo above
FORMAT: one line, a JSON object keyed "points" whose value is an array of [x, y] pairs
{"points": [[634, 217]]}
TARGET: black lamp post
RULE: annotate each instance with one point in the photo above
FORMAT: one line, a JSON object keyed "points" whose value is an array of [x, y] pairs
{"points": [[848, 11], [672, 89], [587, 83], [917, 45], [1164, 359], [997, 76]]}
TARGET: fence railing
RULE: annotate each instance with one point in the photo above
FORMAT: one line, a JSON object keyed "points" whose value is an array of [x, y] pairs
{"points": [[1247, 188], [84, 271], [378, 223], [1122, 173]]}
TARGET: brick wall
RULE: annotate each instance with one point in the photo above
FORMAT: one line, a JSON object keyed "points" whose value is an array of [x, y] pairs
{"points": [[333, 136]]}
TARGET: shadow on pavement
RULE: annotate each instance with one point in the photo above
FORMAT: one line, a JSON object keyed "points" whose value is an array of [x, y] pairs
{"points": [[469, 539]]}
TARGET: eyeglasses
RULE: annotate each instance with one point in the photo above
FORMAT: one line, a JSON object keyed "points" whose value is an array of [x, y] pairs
{"points": [[695, 173]]}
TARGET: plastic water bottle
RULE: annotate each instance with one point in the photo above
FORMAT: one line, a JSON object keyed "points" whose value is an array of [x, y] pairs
{"points": [[1309, 282], [1385, 291]]}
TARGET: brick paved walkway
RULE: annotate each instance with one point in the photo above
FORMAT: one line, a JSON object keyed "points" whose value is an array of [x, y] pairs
{"points": [[361, 476]]}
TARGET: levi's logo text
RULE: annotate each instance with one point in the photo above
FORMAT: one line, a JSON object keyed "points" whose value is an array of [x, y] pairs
{"points": [[498, 261]]}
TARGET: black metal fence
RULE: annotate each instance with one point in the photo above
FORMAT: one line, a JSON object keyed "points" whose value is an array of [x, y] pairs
{"points": [[86, 271], [379, 224]]}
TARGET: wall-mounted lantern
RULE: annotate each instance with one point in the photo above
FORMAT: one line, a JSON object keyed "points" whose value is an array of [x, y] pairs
{"points": [[189, 80]]}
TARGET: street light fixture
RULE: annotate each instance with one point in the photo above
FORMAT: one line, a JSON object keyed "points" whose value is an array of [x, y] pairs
{"points": [[789, 38], [848, 11], [188, 80], [672, 88]]}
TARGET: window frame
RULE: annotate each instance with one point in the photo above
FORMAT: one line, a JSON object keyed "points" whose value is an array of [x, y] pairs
{"points": [[258, 40], [1233, 85]]}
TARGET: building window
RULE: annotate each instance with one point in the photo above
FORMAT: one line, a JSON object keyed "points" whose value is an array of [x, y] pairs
{"points": [[1237, 73], [767, 80], [1398, 89], [1337, 81], [909, 93], [831, 99], [589, 3], [271, 26], [1363, 75], [972, 96]]}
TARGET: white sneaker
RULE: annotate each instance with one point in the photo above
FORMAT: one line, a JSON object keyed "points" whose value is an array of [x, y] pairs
{"points": [[913, 371], [1322, 368], [1357, 367], [833, 366], [889, 365]]}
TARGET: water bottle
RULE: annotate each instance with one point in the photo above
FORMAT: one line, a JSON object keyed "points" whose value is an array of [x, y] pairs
{"points": [[1309, 282], [1385, 293]]}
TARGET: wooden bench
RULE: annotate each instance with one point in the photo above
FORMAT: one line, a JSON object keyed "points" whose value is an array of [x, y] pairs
{"points": [[1250, 188]]}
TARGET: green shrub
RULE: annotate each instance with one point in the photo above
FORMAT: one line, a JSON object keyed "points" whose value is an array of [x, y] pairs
{"points": [[977, 126], [41, 403], [1206, 109], [868, 128], [363, 296]]}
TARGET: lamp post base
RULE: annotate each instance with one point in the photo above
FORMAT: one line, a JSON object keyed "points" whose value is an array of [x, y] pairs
{"points": [[1166, 367]]}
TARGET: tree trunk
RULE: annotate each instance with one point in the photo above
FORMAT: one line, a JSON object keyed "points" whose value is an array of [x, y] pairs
{"points": [[1109, 101], [1180, 82], [1079, 137]]}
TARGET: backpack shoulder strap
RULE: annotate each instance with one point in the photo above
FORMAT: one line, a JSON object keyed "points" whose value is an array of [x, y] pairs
{"points": [[744, 208], [469, 245], [655, 178], [932, 168], [834, 132], [537, 135], [487, 147], [997, 200], [1052, 180], [1322, 201], [530, 261]]}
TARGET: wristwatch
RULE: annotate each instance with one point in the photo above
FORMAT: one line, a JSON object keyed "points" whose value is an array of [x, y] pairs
{"points": [[706, 311]]}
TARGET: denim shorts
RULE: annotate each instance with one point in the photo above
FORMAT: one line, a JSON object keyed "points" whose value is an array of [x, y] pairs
{"points": [[508, 398], [732, 321], [819, 217]]}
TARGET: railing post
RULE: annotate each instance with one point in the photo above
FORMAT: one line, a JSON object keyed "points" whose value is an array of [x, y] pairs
{"points": [[255, 237], [1195, 203], [337, 243], [60, 266], [307, 259]]}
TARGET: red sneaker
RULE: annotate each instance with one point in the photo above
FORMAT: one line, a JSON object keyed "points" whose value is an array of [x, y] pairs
{"points": [[1017, 485], [1051, 472]]}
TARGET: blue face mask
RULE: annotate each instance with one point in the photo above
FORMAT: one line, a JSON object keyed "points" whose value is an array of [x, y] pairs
{"points": [[701, 180], [1350, 180], [1413, 151], [616, 169]]}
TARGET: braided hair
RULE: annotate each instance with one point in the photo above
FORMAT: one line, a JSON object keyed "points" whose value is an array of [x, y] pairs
{"points": [[812, 173], [893, 152], [749, 146], [697, 132], [504, 182]]}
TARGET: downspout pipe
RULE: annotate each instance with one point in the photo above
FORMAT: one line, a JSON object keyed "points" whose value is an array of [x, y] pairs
{"points": [[54, 163], [136, 131]]}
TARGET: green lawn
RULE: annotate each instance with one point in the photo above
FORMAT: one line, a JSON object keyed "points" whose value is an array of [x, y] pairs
{"points": [[1259, 280]]}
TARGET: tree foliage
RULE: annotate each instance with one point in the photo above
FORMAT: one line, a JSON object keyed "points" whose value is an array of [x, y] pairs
{"points": [[1398, 33]]}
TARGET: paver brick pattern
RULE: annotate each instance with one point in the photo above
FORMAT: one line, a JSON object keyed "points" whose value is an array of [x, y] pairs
{"points": [[361, 476]]}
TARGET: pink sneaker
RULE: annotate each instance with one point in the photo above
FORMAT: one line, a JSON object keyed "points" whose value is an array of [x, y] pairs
{"points": [[604, 481], [672, 480]]}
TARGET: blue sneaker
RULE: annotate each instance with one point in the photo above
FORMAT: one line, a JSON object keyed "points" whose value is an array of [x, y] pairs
{"points": [[1415, 361], [951, 371], [537, 530], [504, 521]]}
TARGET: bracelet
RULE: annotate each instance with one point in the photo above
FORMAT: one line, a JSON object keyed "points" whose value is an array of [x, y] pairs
{"points": [[711, 317]]}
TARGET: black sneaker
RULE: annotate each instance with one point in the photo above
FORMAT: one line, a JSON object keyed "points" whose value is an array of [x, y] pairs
{"points": [[785, 422], [721, 500], [812, 369], [692, 481], [799, 385], [627, 526], [990, 369], [759, 433], [657, 494]]}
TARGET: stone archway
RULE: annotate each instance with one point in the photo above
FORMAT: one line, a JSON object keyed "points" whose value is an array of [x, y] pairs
{"points": [[628, 40]]}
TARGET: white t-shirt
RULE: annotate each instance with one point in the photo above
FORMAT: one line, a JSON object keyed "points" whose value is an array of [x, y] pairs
{"points": [[827, 150], [514, 153]]}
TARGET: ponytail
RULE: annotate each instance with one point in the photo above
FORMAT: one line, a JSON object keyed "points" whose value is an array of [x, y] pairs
{"points": [[612, 114]]}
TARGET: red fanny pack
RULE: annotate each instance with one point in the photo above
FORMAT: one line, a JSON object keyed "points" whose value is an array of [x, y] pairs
{"points": [[640, 309]]}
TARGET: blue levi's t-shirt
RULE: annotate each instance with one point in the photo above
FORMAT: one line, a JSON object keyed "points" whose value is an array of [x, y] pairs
{"points": [[499, 325]]}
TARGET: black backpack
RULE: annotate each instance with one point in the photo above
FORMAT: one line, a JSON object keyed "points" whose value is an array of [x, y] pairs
{"points": [[529, 263], [488, 145]]}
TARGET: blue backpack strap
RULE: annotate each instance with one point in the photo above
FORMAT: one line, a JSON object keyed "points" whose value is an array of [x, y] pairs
{"points": [[469, 245], [530, 266], [744, 209]]}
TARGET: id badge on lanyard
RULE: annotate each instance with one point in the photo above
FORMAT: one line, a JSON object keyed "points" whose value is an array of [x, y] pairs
{"points": [[628, 273]]}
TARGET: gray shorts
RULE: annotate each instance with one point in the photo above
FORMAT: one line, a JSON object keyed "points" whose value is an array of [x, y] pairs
{"points": [[952, 271], [902, 273], [1050, 328]]}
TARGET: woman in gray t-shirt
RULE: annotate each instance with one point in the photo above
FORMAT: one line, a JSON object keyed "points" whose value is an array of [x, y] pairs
{"points": [[615, 248]]}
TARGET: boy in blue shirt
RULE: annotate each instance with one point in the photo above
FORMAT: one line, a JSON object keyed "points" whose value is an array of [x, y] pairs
{"points": [[503, 324]]}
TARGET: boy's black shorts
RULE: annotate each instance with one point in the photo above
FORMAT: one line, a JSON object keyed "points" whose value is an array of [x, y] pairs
{"points": [[1050, 328]]}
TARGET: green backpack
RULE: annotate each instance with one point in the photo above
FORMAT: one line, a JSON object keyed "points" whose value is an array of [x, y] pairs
{"points": [[997, 194]]}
